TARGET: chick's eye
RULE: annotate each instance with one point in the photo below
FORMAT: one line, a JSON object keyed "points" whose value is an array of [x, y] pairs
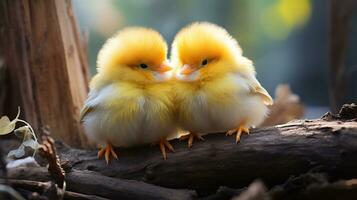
{"points": [[143, 65], [204, 62]]}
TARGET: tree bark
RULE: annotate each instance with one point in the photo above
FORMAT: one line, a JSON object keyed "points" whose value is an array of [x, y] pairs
{"points": [[272, 154], [91, 183], [46, 66], [341, 13]]}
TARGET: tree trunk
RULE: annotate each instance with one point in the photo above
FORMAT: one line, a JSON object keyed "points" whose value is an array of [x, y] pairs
{"points": [[46, 66], [341, 13]]}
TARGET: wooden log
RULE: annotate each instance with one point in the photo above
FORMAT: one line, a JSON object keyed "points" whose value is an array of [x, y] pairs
{"points": [[315, 186], [91, 183], [327, 145], [41, 187], [78, 196], [272, 154], [46, 66], [306, 186]]}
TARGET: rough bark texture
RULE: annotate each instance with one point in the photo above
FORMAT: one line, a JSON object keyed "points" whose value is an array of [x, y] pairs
{"points": [[91, 183], [46, 66], [272, 154], [3, 88], [327, 145], [314, 186], [341, 13]]}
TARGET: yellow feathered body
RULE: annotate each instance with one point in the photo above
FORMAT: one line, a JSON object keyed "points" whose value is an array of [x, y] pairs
{"points": [[130, 101], [221, 90]]}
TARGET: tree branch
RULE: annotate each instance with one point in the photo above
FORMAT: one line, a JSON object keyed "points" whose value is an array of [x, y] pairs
{"points": [[91, 183], [327, 145], [272, 154]]}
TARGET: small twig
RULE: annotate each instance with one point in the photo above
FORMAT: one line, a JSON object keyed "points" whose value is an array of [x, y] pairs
{"points": [[48, 150], [79, 196], [7, 190], [46, 188], [38, 189]]}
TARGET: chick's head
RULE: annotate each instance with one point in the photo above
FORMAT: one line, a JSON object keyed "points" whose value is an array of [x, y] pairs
{"points": [[202, 51], [136, 55]]}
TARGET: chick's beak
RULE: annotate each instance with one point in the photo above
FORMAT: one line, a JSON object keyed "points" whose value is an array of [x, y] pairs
{"points": [[187, 69], [163, 68]]}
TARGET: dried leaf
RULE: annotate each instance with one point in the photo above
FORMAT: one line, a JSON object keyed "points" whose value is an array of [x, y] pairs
{"points": [[48, 150], [286, 107], [20, 152], [24, 132], [256, 191], [17, 153], [31, 143], [23, 162], [7, 126]]}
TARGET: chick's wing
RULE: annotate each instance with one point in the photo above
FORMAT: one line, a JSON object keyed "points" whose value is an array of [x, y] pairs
{"points": [[258, 89], [89, 105]]}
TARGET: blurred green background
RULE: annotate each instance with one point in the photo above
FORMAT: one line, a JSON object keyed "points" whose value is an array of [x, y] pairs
{"points": [[286, 39]]}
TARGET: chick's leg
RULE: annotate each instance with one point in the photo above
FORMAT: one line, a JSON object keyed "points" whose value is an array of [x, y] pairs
{"points": [[242, 129], [190, 137], [163, 144], [108, 151]]}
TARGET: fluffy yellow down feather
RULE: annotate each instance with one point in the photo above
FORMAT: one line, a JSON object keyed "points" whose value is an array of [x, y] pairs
{"points": [[130, 101], [216, 88]]}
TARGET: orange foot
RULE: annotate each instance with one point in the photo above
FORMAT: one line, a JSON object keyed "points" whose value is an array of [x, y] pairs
{"points": [[163, 145], [191, 137], [107, 151], [240, 130]]}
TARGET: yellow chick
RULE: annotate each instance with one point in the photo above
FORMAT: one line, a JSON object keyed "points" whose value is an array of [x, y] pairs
{"points": [[129, 102], [216, 89]]}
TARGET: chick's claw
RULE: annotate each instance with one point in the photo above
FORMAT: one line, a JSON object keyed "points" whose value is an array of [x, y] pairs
{"points": [[163, 145], [230, 132], [240, 130], [190, 137], [108, 151]]}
